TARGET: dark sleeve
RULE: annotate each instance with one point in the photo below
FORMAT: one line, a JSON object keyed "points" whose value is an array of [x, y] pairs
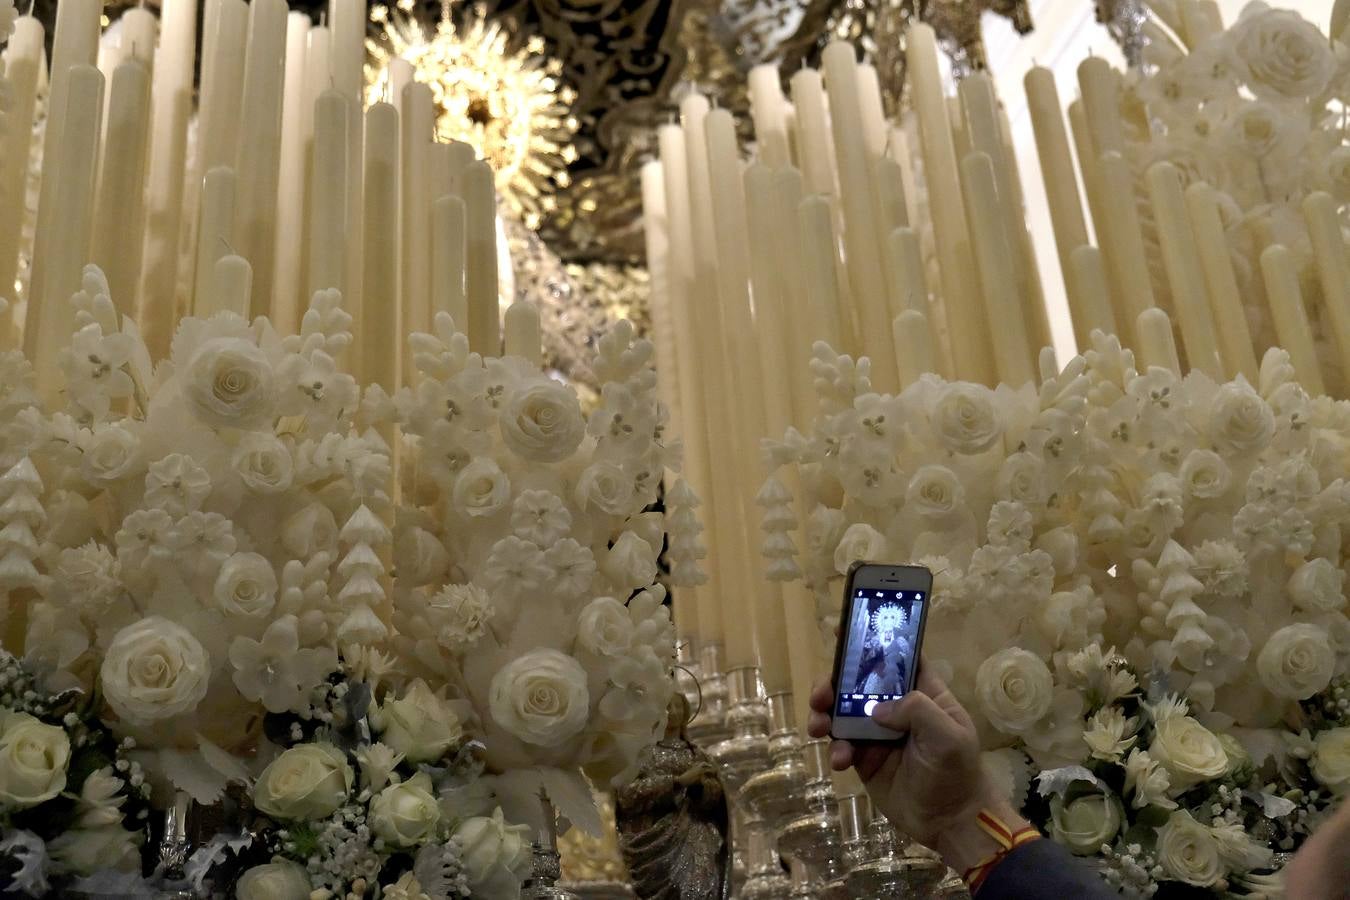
{"points": [[1043, 869]]}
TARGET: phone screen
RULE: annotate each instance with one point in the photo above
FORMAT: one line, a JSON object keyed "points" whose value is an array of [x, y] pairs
{"points": [[881, 650]]}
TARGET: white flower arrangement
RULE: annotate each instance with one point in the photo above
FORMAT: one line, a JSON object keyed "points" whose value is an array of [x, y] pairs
{"points": [[1195, 526]]}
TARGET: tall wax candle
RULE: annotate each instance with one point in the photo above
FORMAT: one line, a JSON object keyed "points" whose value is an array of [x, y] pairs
{"points": [[348, 23], [75, 43], [1101, 103], [438, 170], [913, 346], [972, 358], [876, 130], [72, 220], [380, 326], [656, 234], [1089, 296], [328, 194], [1003, 309], [1333, 266], [230, 286], [862, 234], [818, 256], [813, 129], [166, 174], [1157, 347], [1122, 241], [290, 179], [770, 321], [1180, 256], [693, 110], [1291, 318], [215, 233], [459, 156], [890, 208], [1087, 165], [317, 78], [768, 109], [448, 261], [1225, 301], [258, 159], [418, 125], [401, 74], [222, 86], [480, 277], [120, 214], [1057, 168], [23, 62], [521, 336]]}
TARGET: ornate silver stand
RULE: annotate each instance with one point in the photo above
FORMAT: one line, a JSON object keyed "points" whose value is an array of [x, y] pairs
{"points": [[855, 812], [774, 796], [709, 727], [812, 844], [895, 868], [543, 881], [766, 879], [739, 756]]}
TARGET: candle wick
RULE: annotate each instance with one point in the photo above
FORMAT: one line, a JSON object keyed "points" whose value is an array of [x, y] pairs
{"points": [[31, 4], [227, 244], [323, 19]]}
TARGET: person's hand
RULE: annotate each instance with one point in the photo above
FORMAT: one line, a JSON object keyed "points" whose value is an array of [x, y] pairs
{"points": [[1320, 870], [928, 783]]}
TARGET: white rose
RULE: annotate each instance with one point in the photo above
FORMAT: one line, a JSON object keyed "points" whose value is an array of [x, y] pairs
{"points": [[154, 669], [1188, 851], [631, 562], [496, 856], [1204, 475], [1281, 55], [964, 418], [33, 760], [406, 814], [1256, 128], [1316, 586], [1188, 751], [1331, 759], [1015, 689], [420, 725], [1336, 173], [543, 422], [280, 880], [1022, 479], [246, 586], [481, 488], [229, 383], [263, 463], [85, 851], [112, 452], [1240, 421], [605, 486], [309, 531], [541, 698], [860, 541], [1086, 823], [1296, 662], [308, 781], [605, 628], [935, 493]]}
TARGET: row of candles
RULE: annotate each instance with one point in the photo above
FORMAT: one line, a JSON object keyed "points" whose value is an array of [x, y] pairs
{"points": [[295, 185], [817, 238]]}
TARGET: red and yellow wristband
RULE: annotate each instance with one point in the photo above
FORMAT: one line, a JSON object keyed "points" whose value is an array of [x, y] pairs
{"points": [[1007, 840]]}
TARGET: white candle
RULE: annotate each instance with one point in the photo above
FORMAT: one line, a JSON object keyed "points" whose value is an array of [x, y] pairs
{"points": [[1012, 351], [818, 258], [1157, 347], [222, 86], [1225, 301], [231, 286], [1291, 319], [347, 19], [348, 22], [438, 170], [380, 327], [448, 260], [972, 358], [1087, 165], [328, 195], [317, 78], [418, 124], [401, 74], [875, 126], [693, 109], [171, 110], [215, 233], [459, 156], [480, 202], [913, 346], [1333, 267], [1101, 104], [1057, 168], [767, 108], [259, 156], [521, 333], [290, 179], [770, 299], [1089, 296], [72, 221], [23, 61], [862, 233], [139, 35], [75, 43], [1122, 242], [657, 241], [1181, 257], [729, 219], [813, 130], [120, 215]]}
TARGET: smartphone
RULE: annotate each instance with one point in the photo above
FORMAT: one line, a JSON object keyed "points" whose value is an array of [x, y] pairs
{"points": [[877, 656]]}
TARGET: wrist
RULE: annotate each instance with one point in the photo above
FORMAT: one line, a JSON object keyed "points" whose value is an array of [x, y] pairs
{"points": [[963, 843]]}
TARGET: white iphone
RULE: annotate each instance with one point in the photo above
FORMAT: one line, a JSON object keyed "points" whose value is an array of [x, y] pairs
{"points": [[877, 656]]}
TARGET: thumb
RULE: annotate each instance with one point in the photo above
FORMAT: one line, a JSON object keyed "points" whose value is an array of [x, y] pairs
{"points": [[916, 712]]}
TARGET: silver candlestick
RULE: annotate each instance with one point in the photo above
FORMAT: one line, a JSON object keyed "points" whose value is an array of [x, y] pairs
{"points": [[813, 842], [542, 883], [709, 727], [688, 673], [775, 796], [855, 812], [766, 879], [746, 750], [895, 868]]}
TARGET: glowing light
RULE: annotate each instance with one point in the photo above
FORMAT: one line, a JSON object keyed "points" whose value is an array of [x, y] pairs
{"points": [[506, 101]]}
